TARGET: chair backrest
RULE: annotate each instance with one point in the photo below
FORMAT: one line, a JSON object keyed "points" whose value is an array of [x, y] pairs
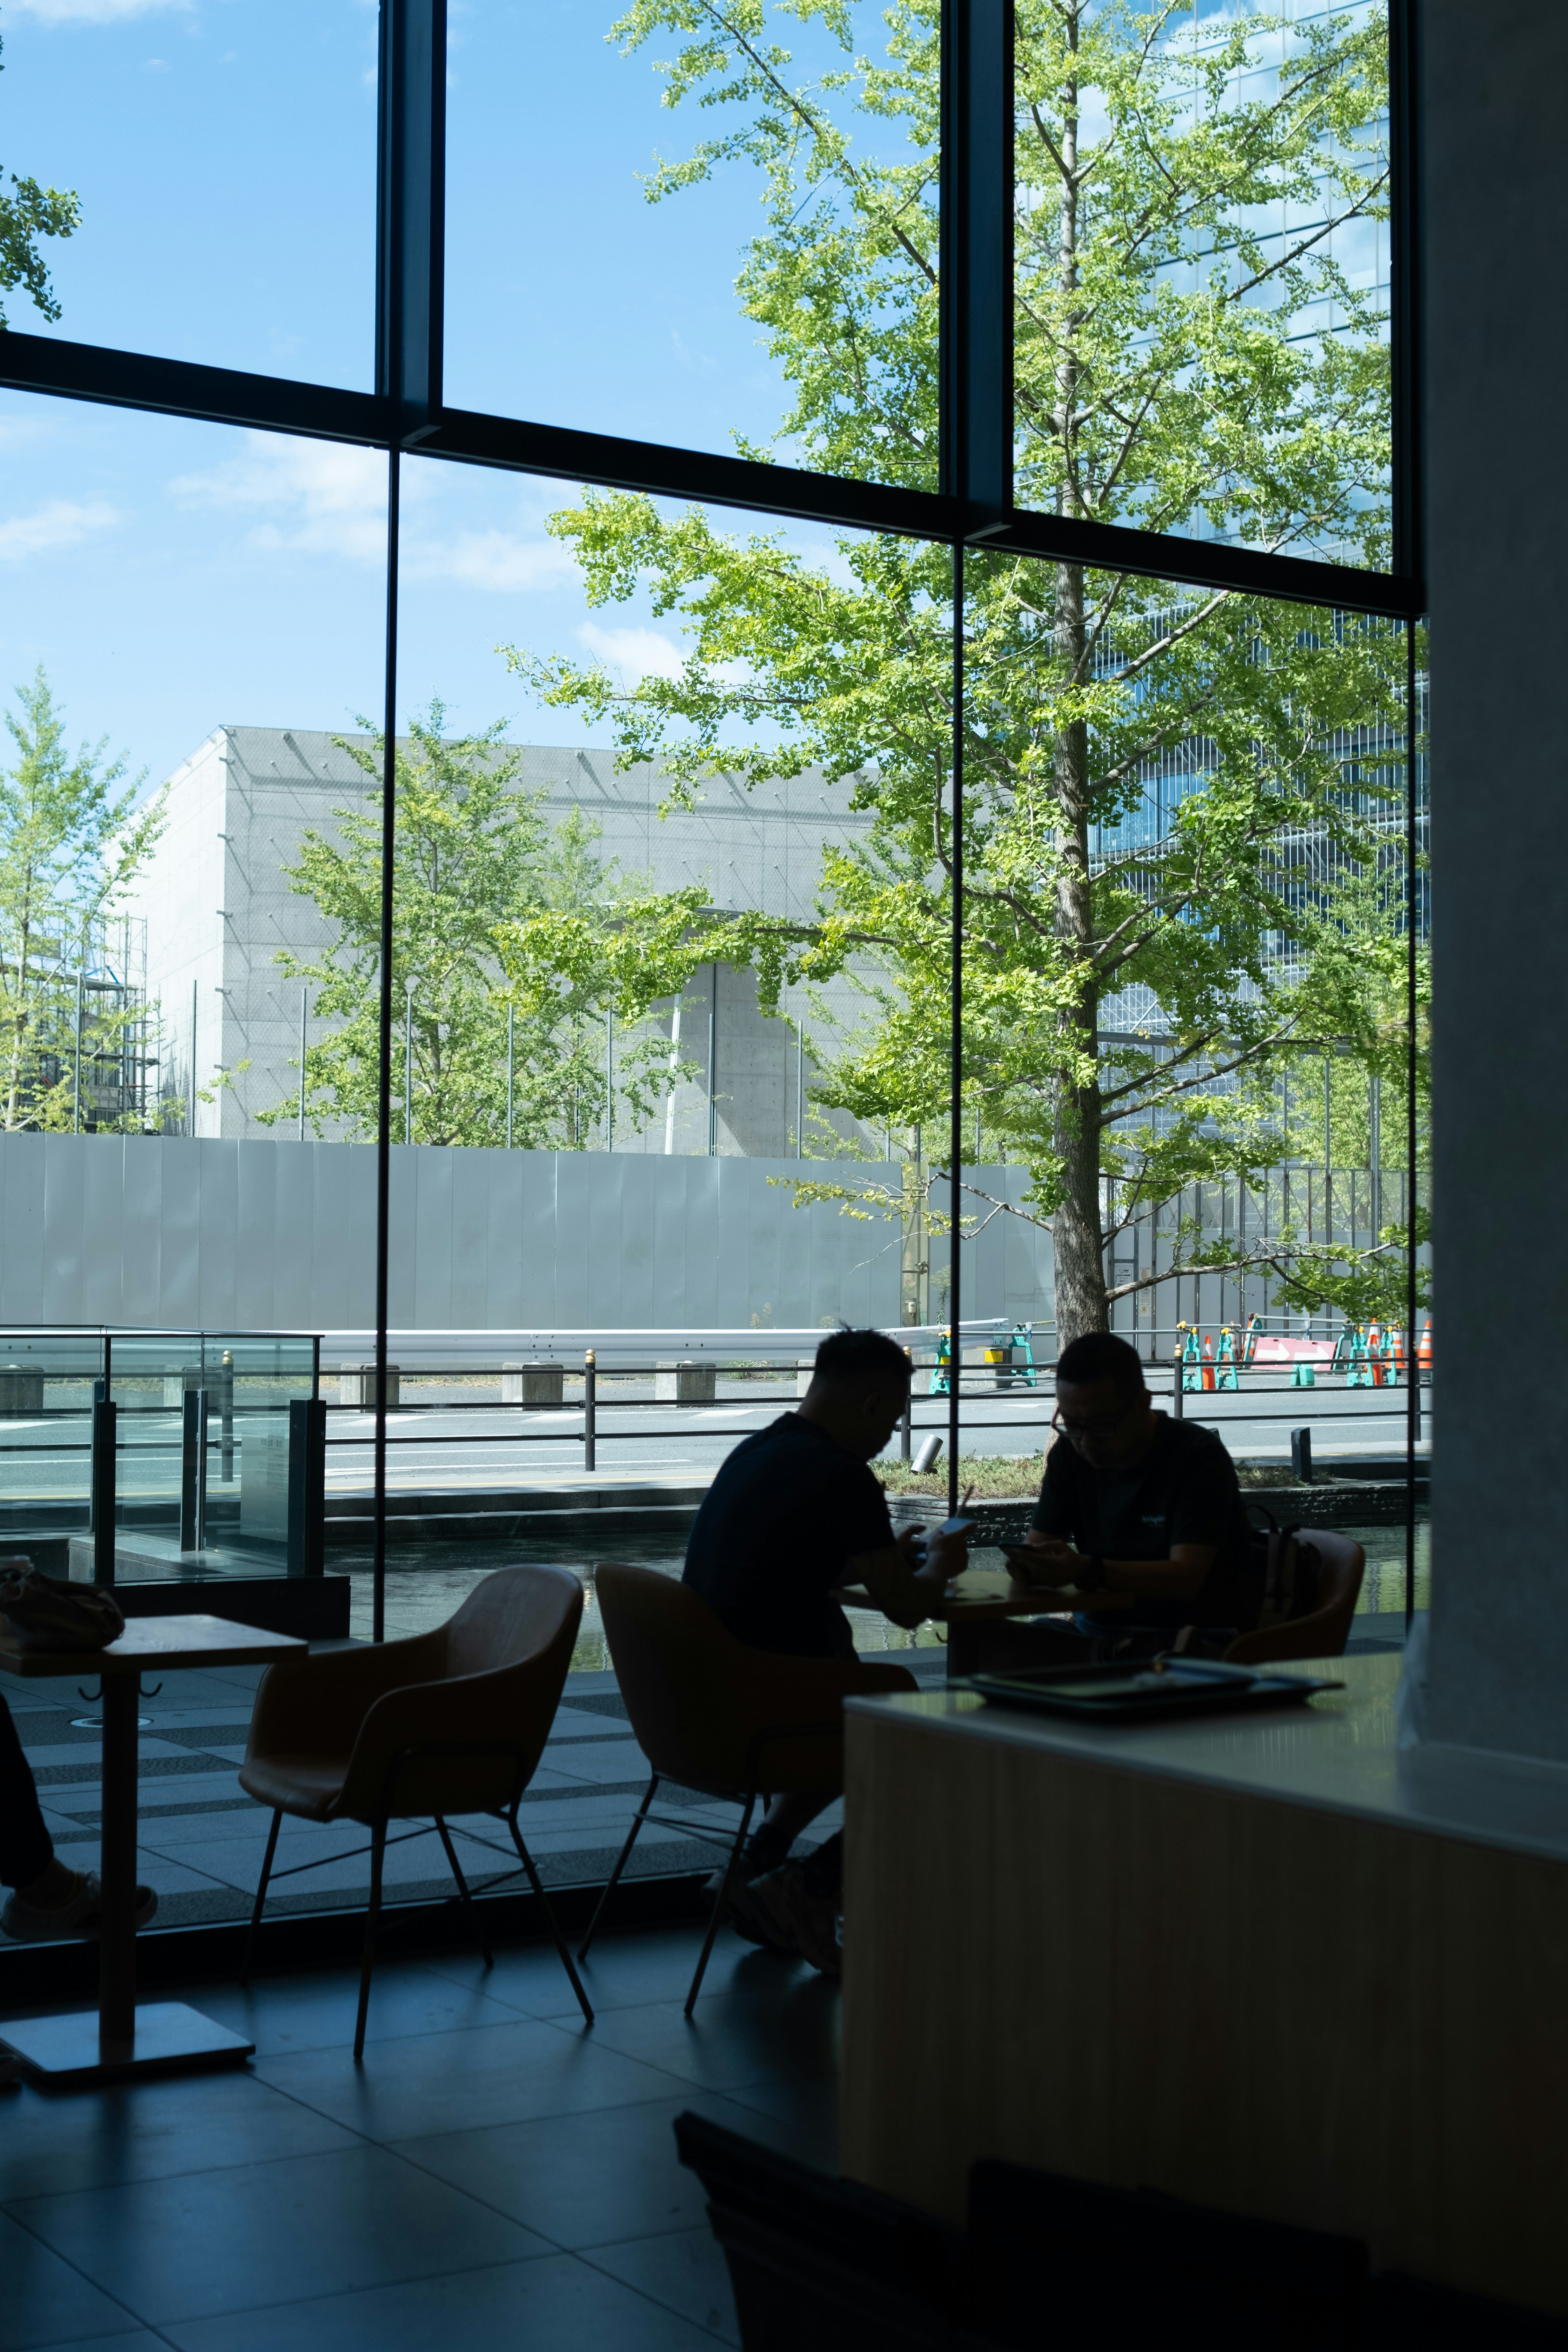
{"points": [[672, 1659], [701, 1703], [1323, 1633], [506, 1656]]}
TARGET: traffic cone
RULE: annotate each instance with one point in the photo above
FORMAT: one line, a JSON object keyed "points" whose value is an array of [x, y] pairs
{"points": [[1424, 1353], [1375, 1356], [1250, 1345], [1208, 1361]]}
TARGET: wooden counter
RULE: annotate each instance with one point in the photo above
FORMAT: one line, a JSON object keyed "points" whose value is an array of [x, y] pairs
{"points": [[1273, 1965]]}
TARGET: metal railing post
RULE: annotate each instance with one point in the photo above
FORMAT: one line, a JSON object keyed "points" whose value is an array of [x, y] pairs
{"points": [[191, 1435], [307, 1486], [590, 1408], [105, 1417], [225, 1413], [905, 1425], [1176, 1383]]}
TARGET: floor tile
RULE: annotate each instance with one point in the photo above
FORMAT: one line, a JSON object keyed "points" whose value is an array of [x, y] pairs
{"points": [[809, 2108], [44, 2301], [152, 1868], [733, 2039], [317, 2011], [140, 2339], [622, 1971], [456, 2082], [265, 2233], [558, 2304], [588, 2180], [685, 2271], [52, 2142], [86, 1749]]}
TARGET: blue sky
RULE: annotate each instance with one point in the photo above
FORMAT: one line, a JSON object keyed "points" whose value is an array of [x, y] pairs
{"points": [[173, 577]]}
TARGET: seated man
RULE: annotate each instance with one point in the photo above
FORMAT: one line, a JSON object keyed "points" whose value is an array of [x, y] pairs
{"points": [[47, 1898], [1133, 1501], [794, 1512]]}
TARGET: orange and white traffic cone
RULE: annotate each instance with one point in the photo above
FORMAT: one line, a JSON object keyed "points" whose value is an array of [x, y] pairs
{"points": [[1374, 1354], [1423, 1352], [1208, 1360]]}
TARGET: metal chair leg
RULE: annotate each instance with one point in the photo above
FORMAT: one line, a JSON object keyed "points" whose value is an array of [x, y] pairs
{"points": [[377, 1854], [260, 1894], [527, 1861], [719, 1903], [469, 1911], [621, 1860]]}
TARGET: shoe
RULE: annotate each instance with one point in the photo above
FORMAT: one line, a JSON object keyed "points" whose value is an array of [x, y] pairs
{"points": [[755, 1920], [36, 1923], [782, 1903]]}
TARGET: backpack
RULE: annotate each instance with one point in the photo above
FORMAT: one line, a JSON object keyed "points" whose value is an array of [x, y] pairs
{"points": [[1286, 1569]]}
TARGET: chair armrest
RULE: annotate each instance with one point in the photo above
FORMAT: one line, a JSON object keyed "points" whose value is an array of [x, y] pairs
{"points": [[315, 1705]]}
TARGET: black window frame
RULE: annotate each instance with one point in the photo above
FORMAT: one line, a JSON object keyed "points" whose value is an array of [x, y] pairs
{"points": [[973, 507]]}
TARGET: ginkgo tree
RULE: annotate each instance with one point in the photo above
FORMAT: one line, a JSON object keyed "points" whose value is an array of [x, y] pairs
{"points": [[474, 856], [1200, 350]]}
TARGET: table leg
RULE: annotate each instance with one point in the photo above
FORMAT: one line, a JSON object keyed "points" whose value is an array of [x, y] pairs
{"points": [[121, 2041], [117, 1871]]}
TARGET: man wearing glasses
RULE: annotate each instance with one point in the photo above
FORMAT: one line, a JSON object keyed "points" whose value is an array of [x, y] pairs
{"points": [[1133, 1501]]}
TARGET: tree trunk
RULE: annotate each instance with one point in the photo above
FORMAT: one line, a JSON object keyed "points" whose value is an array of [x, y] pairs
{"points": [[1075, 1229]]}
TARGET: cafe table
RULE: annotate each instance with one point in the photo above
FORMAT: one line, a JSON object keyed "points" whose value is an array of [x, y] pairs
{"points": [[119, 2040], [980, 1595]]}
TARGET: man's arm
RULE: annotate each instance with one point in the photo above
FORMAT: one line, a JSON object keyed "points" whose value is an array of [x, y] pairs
{"points": [[906, 1594], [1177, 1577]]}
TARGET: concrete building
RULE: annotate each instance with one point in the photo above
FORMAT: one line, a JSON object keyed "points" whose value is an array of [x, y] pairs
{"points": [[219, 909]]}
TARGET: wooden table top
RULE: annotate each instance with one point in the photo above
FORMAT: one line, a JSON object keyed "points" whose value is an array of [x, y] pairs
{"points": [[992, 1593], [166, 1642]]}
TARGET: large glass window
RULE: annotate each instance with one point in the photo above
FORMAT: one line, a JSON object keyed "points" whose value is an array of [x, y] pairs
{"points": [[1202, 272], [713, 231], [204, 177]]}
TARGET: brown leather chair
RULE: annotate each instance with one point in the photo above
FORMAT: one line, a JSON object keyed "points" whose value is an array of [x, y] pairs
{"points": [[712, 1714], [454, 1721], [1323, 1633]]}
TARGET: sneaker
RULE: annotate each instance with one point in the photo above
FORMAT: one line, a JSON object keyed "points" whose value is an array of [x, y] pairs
{"points": [[809, 1921], [755, 1919], [36, 1923]]}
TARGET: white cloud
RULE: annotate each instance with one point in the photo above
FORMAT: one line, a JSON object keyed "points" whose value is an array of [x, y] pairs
{"points": [[61, 523], [635, 653], [331, 500], [490, 559], [314, 497], [93, 12]]}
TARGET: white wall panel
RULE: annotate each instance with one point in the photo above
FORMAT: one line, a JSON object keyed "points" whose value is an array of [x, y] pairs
{"points": [[278, 1235]]}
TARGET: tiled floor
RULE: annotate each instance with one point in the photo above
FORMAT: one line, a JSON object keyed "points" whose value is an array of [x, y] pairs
{"points": [[494, 2174], [201, 1838]]}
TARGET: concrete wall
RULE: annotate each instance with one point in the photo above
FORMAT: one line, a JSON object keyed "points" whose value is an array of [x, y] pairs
{"points": [[256, 1235], [219, 909], [1496, 226]]}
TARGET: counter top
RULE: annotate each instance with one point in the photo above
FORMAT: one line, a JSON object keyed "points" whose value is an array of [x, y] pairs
{"points": [[1336, 1753]]}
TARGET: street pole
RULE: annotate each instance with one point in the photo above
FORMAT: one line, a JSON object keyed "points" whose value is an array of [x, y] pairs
{"points": [[304, 1008], [610, 1078], [408, 1060], [800, 1091], [191, 1123], [712, 1047], [510, 1033], [78, 1109]]}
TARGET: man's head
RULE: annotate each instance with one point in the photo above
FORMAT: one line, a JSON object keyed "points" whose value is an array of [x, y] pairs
{"points": [[1102, 1405], [859, 1386]]}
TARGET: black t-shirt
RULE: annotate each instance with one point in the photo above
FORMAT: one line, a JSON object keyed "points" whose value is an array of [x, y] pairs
{"points": [[782, 1516], [1183, 1491]]}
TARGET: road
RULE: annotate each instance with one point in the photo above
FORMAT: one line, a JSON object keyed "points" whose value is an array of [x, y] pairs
{"points": [[457, 1446]]}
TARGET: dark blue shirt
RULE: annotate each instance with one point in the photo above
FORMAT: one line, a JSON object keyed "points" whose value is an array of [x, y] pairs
{"points": [[784, 1514]]}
